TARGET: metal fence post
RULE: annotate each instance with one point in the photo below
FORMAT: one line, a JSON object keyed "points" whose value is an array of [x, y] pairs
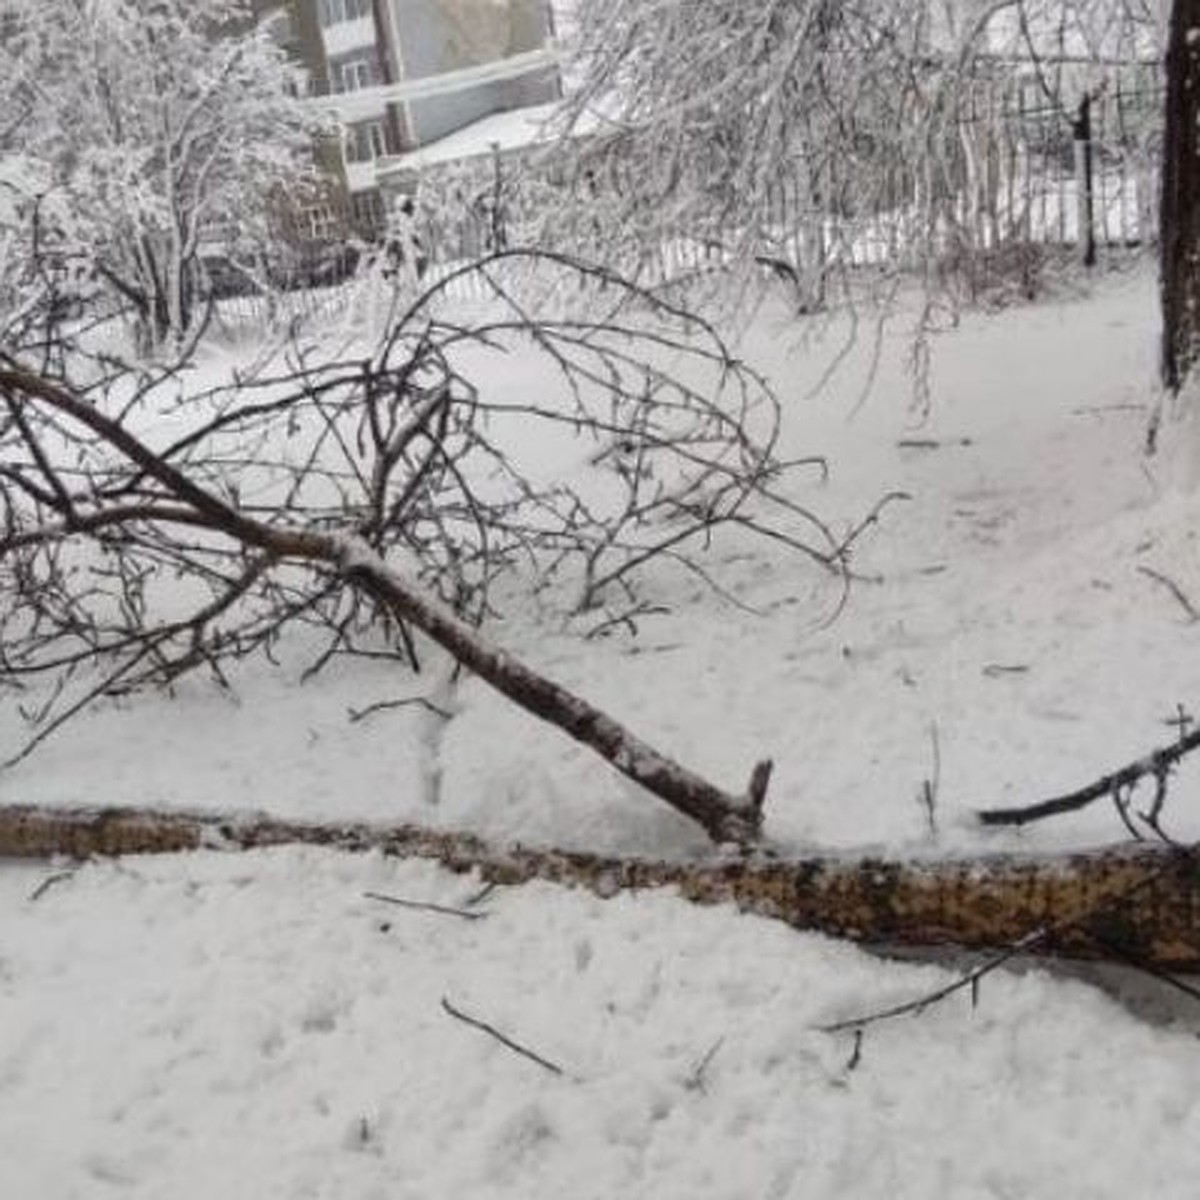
{"points": [[1081, 129]]}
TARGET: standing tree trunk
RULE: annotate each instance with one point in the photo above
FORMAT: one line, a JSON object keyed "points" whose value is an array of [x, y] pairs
{"points": [[1180, 212]]}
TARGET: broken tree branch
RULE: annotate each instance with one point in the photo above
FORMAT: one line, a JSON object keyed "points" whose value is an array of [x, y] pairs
{"points": [[1156, 765], [1144, 898], [724, 817]]}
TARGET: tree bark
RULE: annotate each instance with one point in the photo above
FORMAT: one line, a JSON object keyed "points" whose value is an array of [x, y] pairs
{"points": [[1179, 225], [1134, 903]]}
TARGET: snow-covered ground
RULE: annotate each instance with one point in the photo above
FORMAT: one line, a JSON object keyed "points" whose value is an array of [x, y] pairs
{"points": [[254, 1025]]}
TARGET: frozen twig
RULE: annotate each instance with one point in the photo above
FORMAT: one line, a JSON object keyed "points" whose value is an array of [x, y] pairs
{"points": [[999, 670], [695, 1080], [425, 906], [931, 784], [47, 883], [852, 1063], [918, 1005], [360, 714], [1180, 595], [1155, 765], [503, 1039], [479, 896]]}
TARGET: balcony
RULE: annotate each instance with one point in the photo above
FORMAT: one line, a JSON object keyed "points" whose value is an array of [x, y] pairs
{"points": [[347, 36]]}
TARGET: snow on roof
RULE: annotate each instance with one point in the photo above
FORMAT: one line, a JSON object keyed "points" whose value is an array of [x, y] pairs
{"points": [[504, 131]]}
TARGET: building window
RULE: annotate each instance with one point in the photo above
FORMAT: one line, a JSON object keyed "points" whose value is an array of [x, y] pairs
{"points": [[366, 209], [366, 142], [334, 12], [357, 71], [320, 222]]}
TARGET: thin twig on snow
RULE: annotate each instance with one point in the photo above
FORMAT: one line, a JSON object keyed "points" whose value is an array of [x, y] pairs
{"points": [[503, 1039]]}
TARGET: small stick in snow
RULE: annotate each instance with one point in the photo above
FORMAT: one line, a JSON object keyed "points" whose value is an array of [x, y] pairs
{"points": [[931, 784], [425, 906], [872, 518], [47, 883], [1181, 722], [480, 896], [856, 1053], [359, 714], [492, 1031], [695, 1081], [968, 981], [1188, 607], [1122, 954]]}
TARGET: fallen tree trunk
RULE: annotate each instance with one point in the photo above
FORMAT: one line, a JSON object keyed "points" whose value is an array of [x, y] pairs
{"points": [[1134, 903]]}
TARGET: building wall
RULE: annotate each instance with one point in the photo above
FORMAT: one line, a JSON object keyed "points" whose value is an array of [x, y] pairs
{"points": [[445, 35], [438, 116], [410, 39]]}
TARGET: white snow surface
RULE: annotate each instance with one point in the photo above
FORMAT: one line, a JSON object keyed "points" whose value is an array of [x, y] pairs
{"points": [[253, 1025]]}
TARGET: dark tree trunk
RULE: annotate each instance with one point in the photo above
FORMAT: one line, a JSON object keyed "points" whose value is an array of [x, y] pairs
{"points": [[1180, 213]]}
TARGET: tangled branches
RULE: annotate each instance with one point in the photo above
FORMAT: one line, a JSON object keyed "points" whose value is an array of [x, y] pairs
{"points": [[149, 528]]}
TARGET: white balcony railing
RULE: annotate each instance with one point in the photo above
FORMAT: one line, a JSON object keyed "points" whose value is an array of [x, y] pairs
{"points": [[367, 102]]}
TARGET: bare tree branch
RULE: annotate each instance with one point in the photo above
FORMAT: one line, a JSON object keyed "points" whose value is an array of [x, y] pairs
{"points": [[1156, 765]]}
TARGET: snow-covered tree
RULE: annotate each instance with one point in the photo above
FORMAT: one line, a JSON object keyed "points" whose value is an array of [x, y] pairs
{"points": [[769, 127], [151, 126]]}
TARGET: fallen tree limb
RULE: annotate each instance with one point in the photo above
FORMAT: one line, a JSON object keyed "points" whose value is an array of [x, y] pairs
{"points": [[180, 500], [1156, 765], [1140, 900]]}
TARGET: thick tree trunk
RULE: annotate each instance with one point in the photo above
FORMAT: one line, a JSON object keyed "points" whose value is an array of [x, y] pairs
{"points": [[1131, 903], [1180, 211]]}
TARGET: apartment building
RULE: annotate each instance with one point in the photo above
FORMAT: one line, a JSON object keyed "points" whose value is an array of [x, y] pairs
{"points": [[401, 74]]}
